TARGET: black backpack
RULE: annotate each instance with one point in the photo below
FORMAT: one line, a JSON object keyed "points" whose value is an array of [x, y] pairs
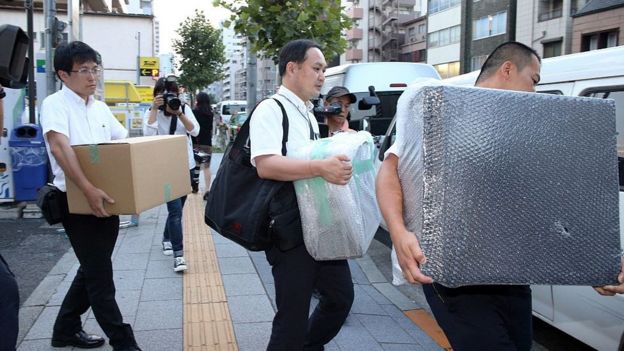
{"points": [[253, 212]]}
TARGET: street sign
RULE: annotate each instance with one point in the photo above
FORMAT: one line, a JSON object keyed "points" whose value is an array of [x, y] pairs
{"points": [[148, 65]]}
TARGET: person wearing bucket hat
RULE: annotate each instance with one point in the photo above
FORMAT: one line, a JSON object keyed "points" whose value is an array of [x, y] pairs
{"points": [[337, 123]]}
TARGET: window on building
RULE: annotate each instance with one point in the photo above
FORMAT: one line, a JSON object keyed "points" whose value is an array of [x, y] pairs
{"points": [[595, 41], [476, 62], [552, 48], [444, 37], [490, 25], [441, 5], [549, 9], [422, 28], [576, 5], [447, 70]]}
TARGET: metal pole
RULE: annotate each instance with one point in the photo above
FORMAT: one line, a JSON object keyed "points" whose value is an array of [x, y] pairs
{"points": [[49, 10], [139, 58], [252, 77], [31, 69]]}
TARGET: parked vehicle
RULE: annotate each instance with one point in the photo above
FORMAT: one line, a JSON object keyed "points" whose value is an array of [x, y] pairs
{"points": [[225, 109], [236, 122], [579, 311], [387, 79]]}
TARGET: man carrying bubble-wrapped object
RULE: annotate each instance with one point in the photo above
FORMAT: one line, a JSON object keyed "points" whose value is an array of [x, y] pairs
{"points": [[487, 191]]}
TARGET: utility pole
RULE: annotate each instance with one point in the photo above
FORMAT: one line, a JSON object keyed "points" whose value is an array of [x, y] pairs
{"points": [[49, 13], [139, 58], [252, 77], [31, 62]]}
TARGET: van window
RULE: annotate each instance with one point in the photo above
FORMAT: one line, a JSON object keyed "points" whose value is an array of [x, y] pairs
{"points": [[617, 94]]}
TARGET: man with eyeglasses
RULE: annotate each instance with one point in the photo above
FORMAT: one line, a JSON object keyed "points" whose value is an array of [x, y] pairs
{"points": [[69, 117]]}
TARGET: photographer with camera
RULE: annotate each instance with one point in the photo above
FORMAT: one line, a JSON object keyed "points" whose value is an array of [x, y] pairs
{"points": [[169, 116], [336, 109]]}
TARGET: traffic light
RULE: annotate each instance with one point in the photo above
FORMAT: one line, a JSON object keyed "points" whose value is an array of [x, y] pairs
{"points": [[57, 29], [155, 73]]}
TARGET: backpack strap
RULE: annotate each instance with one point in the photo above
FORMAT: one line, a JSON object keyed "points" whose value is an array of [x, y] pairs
{"points": [[284, 127]]}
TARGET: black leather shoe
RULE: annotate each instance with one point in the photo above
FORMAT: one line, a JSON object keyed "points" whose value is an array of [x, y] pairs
{"points": [[81, 340]]}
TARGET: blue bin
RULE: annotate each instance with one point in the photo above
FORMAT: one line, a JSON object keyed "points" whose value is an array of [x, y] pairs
{"points": [[29, 161]]}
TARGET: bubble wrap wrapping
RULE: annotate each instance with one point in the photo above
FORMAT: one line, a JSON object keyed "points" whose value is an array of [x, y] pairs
{"points": [[508, 187], [339, 221]]}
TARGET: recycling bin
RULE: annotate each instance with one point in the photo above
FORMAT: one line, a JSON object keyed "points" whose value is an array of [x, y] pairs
{"points": [[29, 160]]}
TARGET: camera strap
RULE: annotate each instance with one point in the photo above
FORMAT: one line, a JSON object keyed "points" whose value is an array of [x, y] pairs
{"points": [[174, 123]]}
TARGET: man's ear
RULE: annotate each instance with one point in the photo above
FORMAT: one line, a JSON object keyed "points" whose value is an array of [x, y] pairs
{"points": [[63, 75], [506, 68], [291, 67]]}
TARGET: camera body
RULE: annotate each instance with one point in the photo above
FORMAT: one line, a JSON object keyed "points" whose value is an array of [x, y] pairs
{"points": [[321, 111], [172, 100]]}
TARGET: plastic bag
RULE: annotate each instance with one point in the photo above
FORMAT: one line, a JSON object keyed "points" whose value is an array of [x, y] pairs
{"points": [[339, 221]]}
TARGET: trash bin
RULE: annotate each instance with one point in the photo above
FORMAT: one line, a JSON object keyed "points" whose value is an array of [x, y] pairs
{"points": [[29, 161]]}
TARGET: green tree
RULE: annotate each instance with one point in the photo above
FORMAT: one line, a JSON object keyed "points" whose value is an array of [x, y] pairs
{"points": [[201, 52], [269, 24]]}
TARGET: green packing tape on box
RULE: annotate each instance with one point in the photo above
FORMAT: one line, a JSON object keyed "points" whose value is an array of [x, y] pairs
{"points": [[94, 154], [167, 192]]}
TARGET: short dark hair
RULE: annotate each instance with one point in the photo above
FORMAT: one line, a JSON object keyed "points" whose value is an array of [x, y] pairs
{"points": [[66, 55], [295, 51], [164, 84], [518, 53]]}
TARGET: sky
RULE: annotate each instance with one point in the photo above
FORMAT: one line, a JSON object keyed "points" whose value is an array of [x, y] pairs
{"points": [[171, 13]]}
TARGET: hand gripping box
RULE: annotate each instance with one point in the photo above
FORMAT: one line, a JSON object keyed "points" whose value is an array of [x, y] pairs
{"points": [[510, 187], [138, 173]]}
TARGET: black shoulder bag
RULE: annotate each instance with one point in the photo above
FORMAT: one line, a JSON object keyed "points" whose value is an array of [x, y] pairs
{"points": [[247, 209]]}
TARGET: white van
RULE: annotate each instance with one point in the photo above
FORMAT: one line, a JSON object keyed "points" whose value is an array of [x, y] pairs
{"points": [[580, 311], [225, 109], [389, 80]]}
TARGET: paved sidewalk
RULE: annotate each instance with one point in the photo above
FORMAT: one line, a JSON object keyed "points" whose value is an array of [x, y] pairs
{"points": [[152, 297]]}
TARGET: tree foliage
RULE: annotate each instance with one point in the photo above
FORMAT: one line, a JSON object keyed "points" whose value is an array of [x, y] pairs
{"points": [[269, 24], [201, 52]]}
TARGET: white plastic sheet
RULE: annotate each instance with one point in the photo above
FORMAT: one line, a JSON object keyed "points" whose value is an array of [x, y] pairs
{"points": [[339, 221]]}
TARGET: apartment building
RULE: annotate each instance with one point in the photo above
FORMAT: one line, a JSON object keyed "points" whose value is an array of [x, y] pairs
{"points": [[414, 46], [444, 20], [598, 25], [235, 58], [546, 25], [485, 25]]}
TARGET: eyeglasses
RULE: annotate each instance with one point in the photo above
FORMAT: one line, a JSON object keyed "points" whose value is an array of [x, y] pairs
{"points": [[86, 71]]}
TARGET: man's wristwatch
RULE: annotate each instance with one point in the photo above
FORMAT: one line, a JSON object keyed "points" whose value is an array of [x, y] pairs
{"points": [[2, 93]]}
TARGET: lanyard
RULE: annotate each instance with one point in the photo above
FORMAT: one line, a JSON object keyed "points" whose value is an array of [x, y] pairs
{"points": [[313, 136]]}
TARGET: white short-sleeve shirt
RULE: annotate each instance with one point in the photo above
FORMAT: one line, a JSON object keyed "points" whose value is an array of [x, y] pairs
{"points": [[162, 124], [265, 128], [65, 112]]}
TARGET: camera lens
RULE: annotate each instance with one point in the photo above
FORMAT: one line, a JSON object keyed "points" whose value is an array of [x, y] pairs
{"points": [[174, 103]]}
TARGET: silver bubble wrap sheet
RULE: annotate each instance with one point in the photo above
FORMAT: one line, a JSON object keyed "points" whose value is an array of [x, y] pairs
{"points": [[339, 221], [507, 187]]}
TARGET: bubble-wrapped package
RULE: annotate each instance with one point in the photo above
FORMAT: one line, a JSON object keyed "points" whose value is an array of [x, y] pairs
{"points": [[339, 221], [507, 187]]}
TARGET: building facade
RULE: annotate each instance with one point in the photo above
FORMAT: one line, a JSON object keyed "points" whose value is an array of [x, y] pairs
{"points": [[598, 25], [546, 25], [444, 20], [485, 25]]}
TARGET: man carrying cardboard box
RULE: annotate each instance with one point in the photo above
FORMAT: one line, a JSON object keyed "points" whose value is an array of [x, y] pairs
{"points": [[69, 117]]}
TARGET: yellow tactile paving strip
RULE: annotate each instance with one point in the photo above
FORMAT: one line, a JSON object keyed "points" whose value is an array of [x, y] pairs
{"points": [[207, 322], [429, 325]]}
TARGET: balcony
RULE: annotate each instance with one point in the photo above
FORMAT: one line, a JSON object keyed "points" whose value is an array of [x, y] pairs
{"points": [[355, 34], [354, 55], [355, 13], [548, 15]]}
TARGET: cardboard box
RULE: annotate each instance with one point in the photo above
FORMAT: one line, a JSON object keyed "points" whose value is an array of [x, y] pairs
{"points": [[138, 173]]}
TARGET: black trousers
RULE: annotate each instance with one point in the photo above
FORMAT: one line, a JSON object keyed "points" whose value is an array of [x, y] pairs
{"points": [[296, 275], [9, 307], [93, 240], [483, 317]]}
